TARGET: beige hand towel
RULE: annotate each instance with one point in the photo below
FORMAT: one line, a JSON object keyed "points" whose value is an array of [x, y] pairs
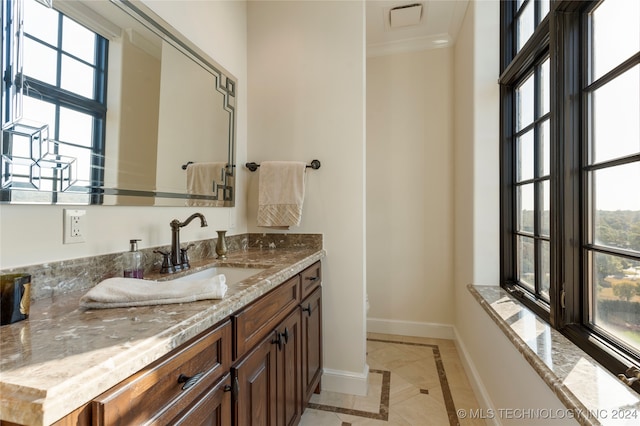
{"points": [[125, 292], [202, 178], [280, 193]]}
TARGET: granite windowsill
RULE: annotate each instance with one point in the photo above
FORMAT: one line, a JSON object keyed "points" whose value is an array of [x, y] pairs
{"points": [[591, 392]]}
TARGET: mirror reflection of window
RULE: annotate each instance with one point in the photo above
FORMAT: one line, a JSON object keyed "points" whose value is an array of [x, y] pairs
{"points": [[64, 87]]}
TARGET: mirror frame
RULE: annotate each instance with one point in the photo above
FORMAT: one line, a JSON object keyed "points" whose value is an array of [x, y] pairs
{"points": [[225, 84]]}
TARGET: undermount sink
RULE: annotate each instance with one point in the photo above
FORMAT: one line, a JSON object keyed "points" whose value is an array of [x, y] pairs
{"points": [[232, 274]]}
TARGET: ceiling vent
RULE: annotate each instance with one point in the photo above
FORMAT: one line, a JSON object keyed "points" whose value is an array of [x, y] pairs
{"points": [[405, 16]]}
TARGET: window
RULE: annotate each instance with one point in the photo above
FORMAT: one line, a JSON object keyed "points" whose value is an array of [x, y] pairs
{"points": [[570, 169], [59, 146]]}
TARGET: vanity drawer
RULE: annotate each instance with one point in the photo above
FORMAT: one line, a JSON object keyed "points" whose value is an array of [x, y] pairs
{"points": [[157, 393], [257, 320], [311, 279]]}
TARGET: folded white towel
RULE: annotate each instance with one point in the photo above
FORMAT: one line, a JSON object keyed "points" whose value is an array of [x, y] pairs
{"points": [[124, 292], [280, 193], [203, 179]]}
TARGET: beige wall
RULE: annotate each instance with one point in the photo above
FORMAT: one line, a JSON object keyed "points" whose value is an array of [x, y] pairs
{"points": [[31, 235], [306, 85], [502, 377], [410, 192]]}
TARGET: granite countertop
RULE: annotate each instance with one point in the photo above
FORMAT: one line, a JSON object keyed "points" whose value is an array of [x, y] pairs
{"points": [[63, 356], [592, 395]]}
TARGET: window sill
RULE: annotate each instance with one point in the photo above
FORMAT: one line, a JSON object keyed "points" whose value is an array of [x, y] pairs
{"points": [[592, 393]]}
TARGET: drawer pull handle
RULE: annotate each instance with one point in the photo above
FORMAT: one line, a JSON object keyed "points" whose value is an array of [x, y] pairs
{"points": [[234, 388], [285, 335], [312, 278], [189, 381], [307, 309]]}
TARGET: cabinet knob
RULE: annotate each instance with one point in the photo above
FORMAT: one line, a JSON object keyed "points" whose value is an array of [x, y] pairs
{"points": [[189, 381]]}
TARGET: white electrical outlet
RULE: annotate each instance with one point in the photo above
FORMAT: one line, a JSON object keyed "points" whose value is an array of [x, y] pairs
{"points": [[74, 227]]}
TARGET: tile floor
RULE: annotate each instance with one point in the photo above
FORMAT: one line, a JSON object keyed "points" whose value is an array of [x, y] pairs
{"points": [[412, 381]]}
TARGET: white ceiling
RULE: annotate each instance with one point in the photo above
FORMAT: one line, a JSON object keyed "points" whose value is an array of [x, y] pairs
{"points": [[438, 27]]}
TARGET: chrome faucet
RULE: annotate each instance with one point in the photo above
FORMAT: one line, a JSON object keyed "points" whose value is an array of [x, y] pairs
{"points": [[179, 257]]}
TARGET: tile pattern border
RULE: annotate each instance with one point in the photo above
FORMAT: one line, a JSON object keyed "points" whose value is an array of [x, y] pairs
{"points": [[383, 412]]}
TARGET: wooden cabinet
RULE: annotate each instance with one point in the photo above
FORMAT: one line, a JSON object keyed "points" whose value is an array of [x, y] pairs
{"points": [[277, 377], [311, 344], [260, 318], [170, 389], [255, 376], [257, 368], [269, 377], [288, 371]]}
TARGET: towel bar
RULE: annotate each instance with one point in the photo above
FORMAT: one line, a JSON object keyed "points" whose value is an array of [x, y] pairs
{"points": [[184, 166], [315, 165]]}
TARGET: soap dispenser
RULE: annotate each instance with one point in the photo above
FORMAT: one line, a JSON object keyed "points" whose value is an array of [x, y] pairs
{"points": [[133, 261]]}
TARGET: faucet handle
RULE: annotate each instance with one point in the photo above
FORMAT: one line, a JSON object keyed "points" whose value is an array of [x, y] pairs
{"points": [[167, 267], [184, 257]]}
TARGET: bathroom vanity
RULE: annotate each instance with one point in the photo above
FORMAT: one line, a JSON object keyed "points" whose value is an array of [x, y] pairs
{"points": [[255, 355]]}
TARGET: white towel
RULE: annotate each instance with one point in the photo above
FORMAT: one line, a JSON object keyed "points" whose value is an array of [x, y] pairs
{"points": [[124, 292], [201, 180], [280, 193]]}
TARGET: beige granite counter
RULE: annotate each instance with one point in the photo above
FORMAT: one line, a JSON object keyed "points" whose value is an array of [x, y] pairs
{"points": [[592, 395], [63, 356]]}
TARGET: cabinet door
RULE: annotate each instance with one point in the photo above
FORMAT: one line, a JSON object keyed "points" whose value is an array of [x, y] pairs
{"points": [[255, 403], [311, 344], [288, 368], [212, 409]]}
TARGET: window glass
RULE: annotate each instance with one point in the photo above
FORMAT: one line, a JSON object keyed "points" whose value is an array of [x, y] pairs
{"points": [[545, 272], [616, 108], [544, 8], [526, 151], [545, 88], [75, 127], [42, 112], [525, 198], [612, 245], [616, 294], [615, 34], [525, 103], [545, 141], [526, 24], [545, 229], [616, 206], [526, 263], [40, 62], [78, 41], [42, 22], [77, 77]]}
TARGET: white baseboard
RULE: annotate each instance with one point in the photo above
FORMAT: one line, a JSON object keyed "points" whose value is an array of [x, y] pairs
{"points": [[410, 328], [476, 383], [346, 381]]}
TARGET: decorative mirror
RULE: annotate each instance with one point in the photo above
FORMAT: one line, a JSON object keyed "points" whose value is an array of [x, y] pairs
{"points": [[108, 104]]}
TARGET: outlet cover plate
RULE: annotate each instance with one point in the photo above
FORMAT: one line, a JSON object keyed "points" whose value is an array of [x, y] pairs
{"points": [[74, 226]]}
